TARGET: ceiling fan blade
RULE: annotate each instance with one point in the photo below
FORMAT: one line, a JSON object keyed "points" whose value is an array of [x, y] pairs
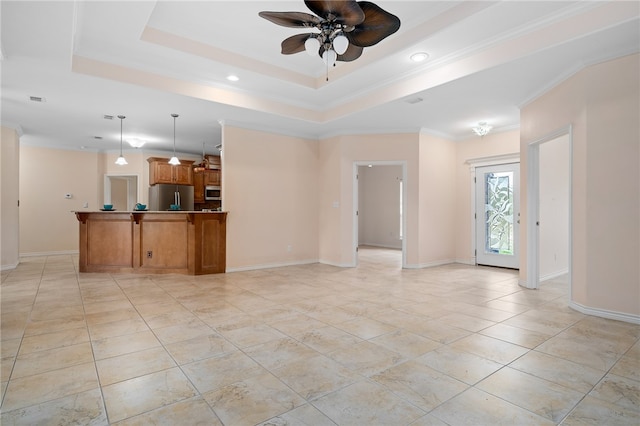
{"points": [[378, 25], [291, 19], [294, 44], [346, 12], [352, 53]]}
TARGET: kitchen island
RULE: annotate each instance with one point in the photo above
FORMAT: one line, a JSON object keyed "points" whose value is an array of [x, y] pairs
{"points": [[153, 242]]}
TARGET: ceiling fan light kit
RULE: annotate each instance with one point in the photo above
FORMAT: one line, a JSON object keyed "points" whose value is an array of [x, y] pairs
{"points": [[345, 28]]}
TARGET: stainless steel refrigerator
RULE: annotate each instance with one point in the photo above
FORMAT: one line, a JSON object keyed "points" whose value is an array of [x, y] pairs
{"points": [[161, 196]]}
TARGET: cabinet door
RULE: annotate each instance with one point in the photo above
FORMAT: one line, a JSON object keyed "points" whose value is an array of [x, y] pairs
{"points": [[163, 172], [198, 187], [212, 177], [183, 174]]}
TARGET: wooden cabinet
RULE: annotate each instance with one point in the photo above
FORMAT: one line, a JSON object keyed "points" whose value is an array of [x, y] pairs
{"points": [[212, 178], [214, 161], [198, 187], [152, 242], [160, 171]]}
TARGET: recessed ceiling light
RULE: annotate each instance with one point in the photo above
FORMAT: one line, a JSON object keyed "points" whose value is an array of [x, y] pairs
{"points": [[419, 57], [97, 137], [107, 117], [37, 99], [233, 77]]}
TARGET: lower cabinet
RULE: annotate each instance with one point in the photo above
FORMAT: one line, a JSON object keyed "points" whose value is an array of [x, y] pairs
{"points": [[191, 243]]}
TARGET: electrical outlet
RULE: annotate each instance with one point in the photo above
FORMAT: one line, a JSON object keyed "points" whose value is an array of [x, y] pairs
{"points": [[289, 248], [86, 205], [149, 254]]}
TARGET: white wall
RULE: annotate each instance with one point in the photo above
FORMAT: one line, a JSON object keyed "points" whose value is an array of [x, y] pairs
{"points": [[379, 206], [554, 208], [9, 196]]}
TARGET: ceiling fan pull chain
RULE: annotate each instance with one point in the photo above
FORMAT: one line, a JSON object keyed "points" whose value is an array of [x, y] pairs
{"points": [[327, 70]]}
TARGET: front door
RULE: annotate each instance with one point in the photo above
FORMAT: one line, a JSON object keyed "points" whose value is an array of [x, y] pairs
{"points": [[497, 216]]}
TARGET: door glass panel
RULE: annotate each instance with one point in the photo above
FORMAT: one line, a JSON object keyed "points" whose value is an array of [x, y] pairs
{"points": [[499, 221]]}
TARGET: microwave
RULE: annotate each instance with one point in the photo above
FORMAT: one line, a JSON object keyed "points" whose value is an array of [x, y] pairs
{"points": [[212, 193]]}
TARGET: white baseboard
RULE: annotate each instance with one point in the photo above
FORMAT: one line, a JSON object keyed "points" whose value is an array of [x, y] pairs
{"points": [[50, 253], [381, 246], [271, 265], [603, 313], [337, 265], [468, 261], [431, 264], [554, 275], [9, 266]]}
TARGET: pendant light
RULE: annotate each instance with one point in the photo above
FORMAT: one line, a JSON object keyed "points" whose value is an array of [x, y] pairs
{"points": [[121, 161], [204, 164], [174, 160]]}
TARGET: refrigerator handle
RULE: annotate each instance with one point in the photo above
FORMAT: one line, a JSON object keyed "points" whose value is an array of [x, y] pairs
{"points": [[178, 197]]}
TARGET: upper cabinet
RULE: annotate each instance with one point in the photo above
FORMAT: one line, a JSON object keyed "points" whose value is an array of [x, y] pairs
{"points": [[160, 171], [214, 161], [212, 177]]}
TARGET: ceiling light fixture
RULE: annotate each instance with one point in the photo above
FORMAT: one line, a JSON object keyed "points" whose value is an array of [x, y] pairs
{"points": [[204, 164], [121, 161], [233, 77], [419, 57], [346, 28], [174, 160], [136, 143], [482, 128]]}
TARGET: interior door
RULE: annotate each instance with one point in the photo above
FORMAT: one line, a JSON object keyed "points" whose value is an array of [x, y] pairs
{"points": [[497, 215]]}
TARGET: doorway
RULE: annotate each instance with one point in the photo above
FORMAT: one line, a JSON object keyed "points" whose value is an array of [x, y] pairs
{"points": [[497, 218], [379, 206], [121, 191], [549, 206]]}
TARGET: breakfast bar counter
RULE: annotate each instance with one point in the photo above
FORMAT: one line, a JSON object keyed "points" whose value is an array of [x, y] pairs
{"points": [[153, 242]]}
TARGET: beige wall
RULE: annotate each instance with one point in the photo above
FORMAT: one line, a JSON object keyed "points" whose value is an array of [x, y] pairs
{"points": [[336, 207], [47, 224], [436, 215], [271, 193], [474, 148], [9, 188], [602, 105]]}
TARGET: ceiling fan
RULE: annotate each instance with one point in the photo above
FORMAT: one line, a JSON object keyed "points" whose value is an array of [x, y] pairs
{"points": [[346, 28]]}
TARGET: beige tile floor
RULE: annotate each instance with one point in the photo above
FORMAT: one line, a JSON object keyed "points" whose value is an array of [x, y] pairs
{"points": [[308, 345]]}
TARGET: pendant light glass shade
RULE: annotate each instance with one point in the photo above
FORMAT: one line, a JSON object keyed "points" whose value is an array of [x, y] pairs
{"points": [[121, 161], [329, 57], [340, 44], [174, 160], [312, 46]]}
